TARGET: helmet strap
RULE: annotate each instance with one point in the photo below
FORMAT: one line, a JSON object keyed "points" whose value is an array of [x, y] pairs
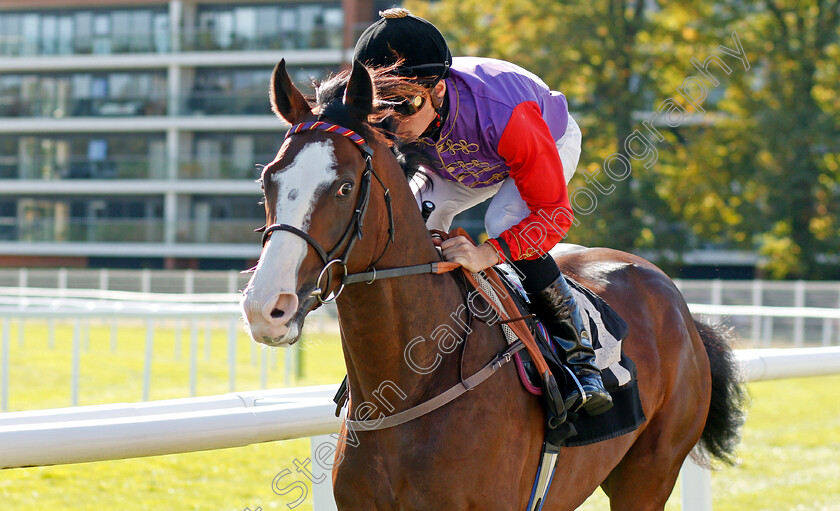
{"points": [[441, 106]]}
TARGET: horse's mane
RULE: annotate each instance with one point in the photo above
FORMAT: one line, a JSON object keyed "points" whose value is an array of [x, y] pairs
{"points": [[390, 88]]}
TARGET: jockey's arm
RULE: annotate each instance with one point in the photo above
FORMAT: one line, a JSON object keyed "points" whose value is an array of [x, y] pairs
{"points": [[535, 167]]}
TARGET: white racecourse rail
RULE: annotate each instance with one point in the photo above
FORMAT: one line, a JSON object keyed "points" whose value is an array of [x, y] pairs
{"points": [[81, 306], [119, 431]]}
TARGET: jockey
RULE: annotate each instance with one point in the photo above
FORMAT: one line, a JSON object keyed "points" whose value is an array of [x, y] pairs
{"points": [[492, 129]]}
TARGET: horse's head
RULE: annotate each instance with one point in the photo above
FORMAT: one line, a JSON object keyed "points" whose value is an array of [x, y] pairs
{"points": [[317, 195]]}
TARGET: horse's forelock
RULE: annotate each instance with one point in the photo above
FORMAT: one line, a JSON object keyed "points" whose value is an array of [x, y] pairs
{"points": [[329, 95], [331, 89]]}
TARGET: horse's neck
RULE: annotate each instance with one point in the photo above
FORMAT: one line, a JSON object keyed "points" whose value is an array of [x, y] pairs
{"points": [[379, 320]]}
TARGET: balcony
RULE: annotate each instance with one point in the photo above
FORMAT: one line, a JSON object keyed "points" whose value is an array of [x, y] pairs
{"points": [[222, 168], [214, 40], [19, 46], [81, 230], [191, 40], [220, 103], [45, 106], [107, 230], [124, 167], [219, 230]]}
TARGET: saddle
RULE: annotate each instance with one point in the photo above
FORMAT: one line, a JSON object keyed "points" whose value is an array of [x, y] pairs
{"points": [[608, 332], [542, 368]]}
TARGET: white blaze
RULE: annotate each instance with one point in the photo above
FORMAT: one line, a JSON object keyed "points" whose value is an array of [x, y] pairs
{"points": [[298, 185]]}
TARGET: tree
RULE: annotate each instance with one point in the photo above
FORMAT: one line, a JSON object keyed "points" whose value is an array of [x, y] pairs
{"points": [[781, 141], [797, 129], [589, 51], [759, 170]]}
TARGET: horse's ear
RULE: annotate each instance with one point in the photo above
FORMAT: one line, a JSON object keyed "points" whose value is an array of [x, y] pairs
{"points": [[358, 95], [286, 100]]}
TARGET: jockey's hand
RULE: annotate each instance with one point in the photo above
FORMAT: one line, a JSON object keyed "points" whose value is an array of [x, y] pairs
{"points": [[474, 258]]}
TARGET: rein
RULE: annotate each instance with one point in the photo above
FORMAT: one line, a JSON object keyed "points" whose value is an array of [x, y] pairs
{"points": [[524, 340]]}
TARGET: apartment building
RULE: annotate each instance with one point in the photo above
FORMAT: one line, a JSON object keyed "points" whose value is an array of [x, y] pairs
{"points": [[130, 130]]}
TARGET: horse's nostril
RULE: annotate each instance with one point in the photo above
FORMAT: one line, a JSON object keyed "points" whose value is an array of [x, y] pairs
{"points": [[284, 308]]}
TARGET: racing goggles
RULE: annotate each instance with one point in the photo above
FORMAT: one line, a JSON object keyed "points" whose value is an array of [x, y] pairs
{"points": [[411, 105]]}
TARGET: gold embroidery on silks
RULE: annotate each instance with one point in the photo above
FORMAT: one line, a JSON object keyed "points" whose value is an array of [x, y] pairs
{"points": [[495, 178], [462, 146], [460, 171], [463, 176], [455, 147], [465, 166]]}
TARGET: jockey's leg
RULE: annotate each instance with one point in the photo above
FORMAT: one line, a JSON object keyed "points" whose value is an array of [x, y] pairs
{"points": [[552, 300], [449, 197]]}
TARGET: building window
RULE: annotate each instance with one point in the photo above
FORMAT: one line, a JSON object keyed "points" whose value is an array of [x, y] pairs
{"points": [[264, 27], [233, 219], [226, 91], [229, 155], [85, 31], [83, 94], [82, 219], [94, 156]]}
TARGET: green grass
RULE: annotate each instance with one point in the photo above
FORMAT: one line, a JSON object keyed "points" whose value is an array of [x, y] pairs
{"points": [[40, 376], [228, 479], [788, 453]]}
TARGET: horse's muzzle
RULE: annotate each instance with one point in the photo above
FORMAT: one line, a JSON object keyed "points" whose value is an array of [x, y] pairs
{"points": [[272, 322]]}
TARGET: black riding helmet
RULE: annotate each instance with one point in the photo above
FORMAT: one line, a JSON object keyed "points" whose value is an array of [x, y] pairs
{"points": [[398, 34]]}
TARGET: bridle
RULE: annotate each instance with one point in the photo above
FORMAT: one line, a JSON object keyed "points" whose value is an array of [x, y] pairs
{"points": [[353, 232], [348, 240]]}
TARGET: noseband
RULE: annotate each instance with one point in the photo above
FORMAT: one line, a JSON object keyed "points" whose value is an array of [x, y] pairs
{"points": [[354, 228]]}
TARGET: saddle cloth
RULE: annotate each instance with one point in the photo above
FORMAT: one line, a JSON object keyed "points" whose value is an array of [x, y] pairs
{"points": [[608, 331]]}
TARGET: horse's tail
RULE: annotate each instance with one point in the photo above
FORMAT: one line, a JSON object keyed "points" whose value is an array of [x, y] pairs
{"points": [[727, 409]]}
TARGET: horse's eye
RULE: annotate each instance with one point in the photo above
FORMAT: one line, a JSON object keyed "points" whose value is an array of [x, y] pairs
{"points": [[345, 189]]}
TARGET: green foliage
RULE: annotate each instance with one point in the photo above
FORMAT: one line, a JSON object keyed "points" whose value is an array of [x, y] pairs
{"points": [[796, 129], [755, 165]]}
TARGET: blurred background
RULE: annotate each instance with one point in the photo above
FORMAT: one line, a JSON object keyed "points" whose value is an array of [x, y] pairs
{"points": [[746, 180], [130, 131]]}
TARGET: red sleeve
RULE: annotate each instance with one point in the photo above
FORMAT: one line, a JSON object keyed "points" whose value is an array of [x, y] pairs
{"points": [[535, 167]]}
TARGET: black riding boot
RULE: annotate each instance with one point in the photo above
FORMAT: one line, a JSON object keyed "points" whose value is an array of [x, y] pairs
{"points": [[557, 306]]}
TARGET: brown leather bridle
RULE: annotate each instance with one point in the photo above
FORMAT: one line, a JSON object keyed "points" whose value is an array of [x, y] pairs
{"points": [[353, 232]]}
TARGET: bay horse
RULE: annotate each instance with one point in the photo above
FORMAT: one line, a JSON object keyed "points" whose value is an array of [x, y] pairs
{"points": [[480, 451]]}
